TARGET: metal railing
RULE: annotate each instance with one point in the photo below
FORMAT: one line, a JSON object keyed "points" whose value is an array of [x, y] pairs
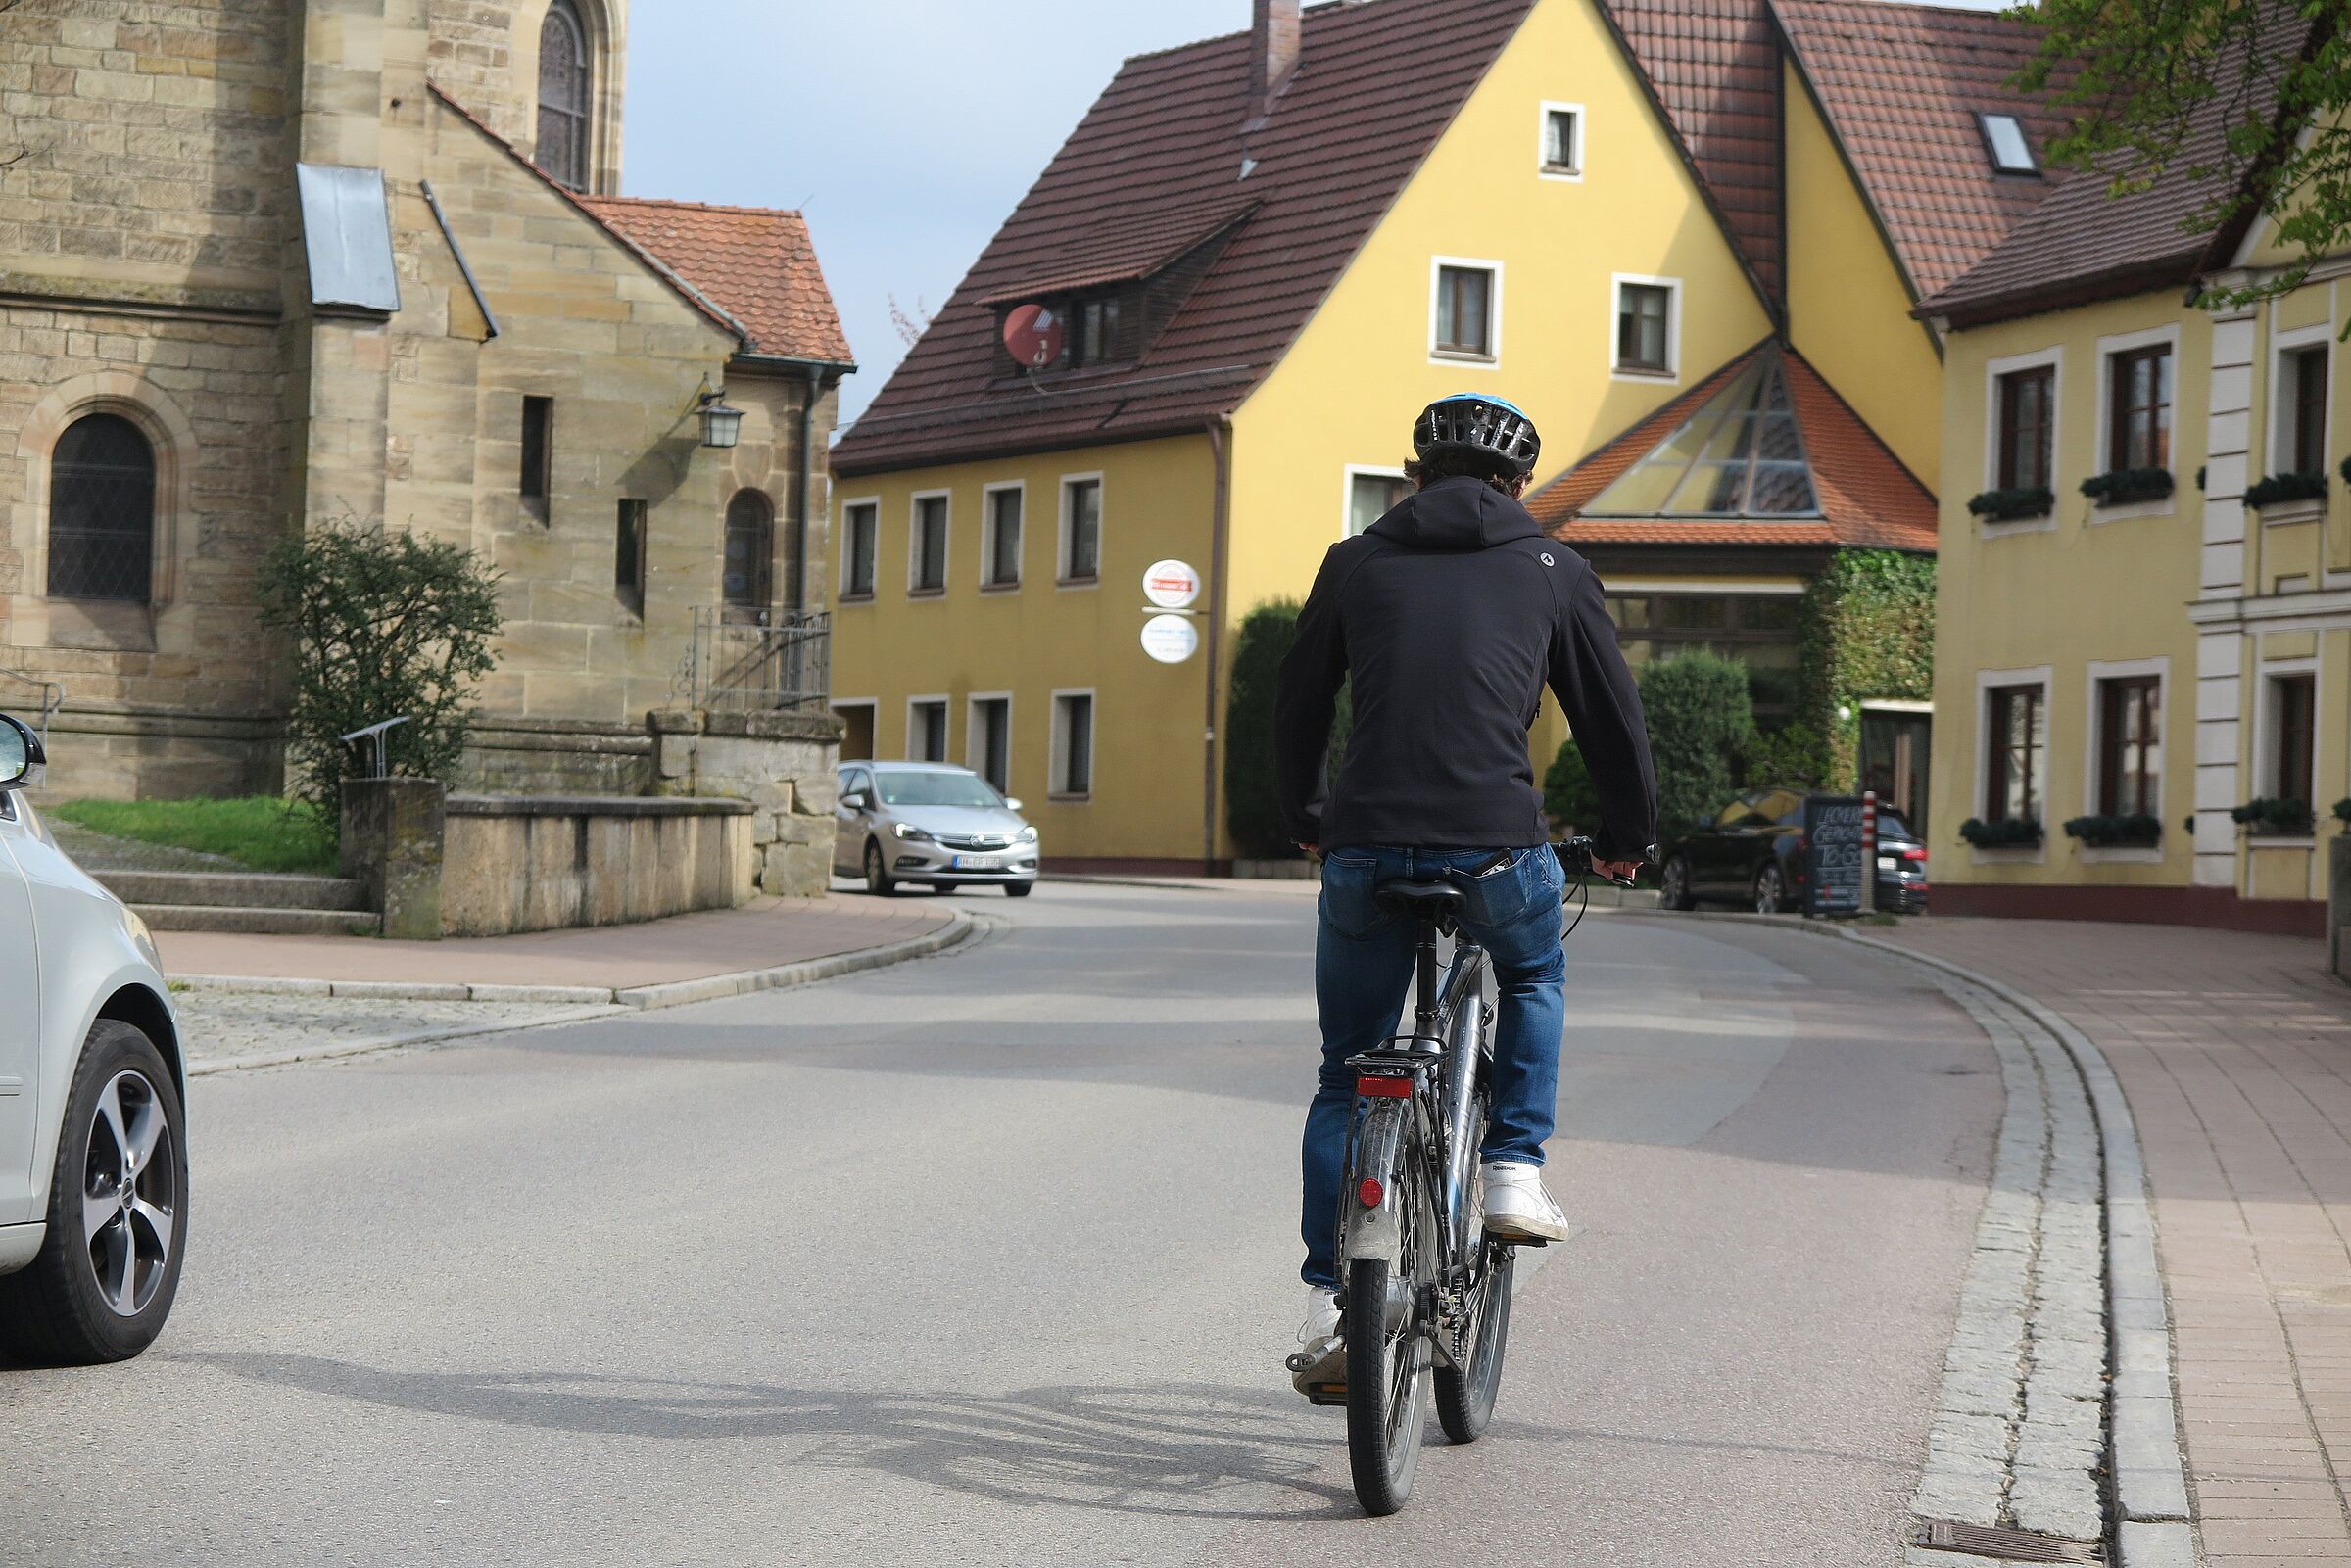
{"points": [[738, 666], [48, 693]]}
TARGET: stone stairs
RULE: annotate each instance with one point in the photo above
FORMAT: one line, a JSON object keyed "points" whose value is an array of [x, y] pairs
{"points": [[259, 903]]}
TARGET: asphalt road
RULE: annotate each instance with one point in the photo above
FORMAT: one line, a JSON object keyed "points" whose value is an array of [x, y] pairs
{"points": [[990, 1259]]}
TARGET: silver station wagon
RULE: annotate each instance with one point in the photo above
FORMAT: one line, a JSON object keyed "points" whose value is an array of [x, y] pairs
{"points": [[933, 822]]}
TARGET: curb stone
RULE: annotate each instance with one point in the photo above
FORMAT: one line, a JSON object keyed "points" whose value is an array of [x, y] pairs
{"points": [[2153, 1521], [597, 1003]]}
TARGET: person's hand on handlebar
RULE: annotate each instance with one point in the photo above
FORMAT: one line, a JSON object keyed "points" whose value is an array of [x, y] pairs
{"points": [[1618, 871]]}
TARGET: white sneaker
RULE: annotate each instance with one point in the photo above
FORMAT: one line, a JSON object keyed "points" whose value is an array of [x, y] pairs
{"points": [[1517, 1205], [1319, 1368], [1321, 1316]]}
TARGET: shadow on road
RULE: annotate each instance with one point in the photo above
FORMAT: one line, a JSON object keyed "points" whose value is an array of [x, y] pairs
{"points": [[1188, 1450]]}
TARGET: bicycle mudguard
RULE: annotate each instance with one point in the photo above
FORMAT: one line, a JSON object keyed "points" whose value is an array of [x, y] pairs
{"points": [[1377, 1231]]}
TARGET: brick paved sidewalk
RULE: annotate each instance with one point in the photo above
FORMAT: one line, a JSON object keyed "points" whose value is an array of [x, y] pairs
{"points": [[770, 932], [2235, 1053]]}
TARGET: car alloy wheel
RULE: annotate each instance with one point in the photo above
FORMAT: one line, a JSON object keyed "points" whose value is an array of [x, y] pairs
{"points": [[877, 879], [130, 1194], [1675, 886], [1768, 899]]}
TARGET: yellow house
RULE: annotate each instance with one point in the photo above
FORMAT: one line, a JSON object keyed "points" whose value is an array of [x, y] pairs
{"points": [[1203, 335], [2143, 629]]}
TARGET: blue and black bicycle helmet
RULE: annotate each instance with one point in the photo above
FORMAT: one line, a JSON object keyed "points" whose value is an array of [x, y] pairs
{"points": [[1473, 425]]}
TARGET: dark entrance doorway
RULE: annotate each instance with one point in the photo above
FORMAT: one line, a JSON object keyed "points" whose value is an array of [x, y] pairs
{"points": [[1894, 758]]}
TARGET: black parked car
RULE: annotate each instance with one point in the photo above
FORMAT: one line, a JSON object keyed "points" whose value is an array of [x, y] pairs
{"points": [[1753, 853]]}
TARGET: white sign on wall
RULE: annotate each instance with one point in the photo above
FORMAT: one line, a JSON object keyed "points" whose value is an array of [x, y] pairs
{"points": [[1171, 638], [1170, 585]]}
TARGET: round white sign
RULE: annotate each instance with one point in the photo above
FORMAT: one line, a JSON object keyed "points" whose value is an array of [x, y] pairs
{"points": [[1170, 585], [1171, 638]]}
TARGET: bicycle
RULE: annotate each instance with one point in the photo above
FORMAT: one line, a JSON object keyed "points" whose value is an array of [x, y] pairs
{"points": [[1423, 1287]]}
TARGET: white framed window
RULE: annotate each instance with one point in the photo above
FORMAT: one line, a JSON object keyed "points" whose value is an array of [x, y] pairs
{"points": [[1368, 493], [1465, 310], [860, 546], [2301, 382], [2012, 746], [1645, 327], [1072, 776], [2123, 759], [927, 517], [987, 737], [1561, 148], [1080, 556], [2286, 738], [1003, 509], [927, 728], [2024, 403], [857, 716], [2139, 392]]}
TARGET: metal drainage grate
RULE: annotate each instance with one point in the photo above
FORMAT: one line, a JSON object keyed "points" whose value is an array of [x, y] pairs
{"points": [[2011, 1545]]}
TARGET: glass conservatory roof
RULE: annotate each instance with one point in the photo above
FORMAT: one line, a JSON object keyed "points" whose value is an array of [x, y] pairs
{"points": [[1740, 454]]}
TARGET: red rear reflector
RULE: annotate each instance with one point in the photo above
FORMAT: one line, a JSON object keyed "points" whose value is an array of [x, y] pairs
{"points": [[1371, 1192], [1385, 1088]]}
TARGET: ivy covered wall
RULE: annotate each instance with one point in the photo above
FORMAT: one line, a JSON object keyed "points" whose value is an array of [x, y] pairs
{"points": [[1868, 632]]}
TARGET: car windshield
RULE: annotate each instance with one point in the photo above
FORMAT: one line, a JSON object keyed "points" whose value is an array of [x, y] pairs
{"points": [[936, 789]]}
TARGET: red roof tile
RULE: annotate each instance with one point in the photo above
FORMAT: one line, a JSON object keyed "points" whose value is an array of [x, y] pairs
{"points": [[1376, 84], [757, 263], [1715, 67], [1867, 499], [1901, 86]]}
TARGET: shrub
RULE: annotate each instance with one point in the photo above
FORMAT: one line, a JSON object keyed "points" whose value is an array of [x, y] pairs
{"points": [[2267, 815], [2126, 485], [1793, 754], [1568, 798], [384, 625], [1701, 723], [2010, 505], [2013, 833], [2279, 488], [2342, 810], [2129, 830]]}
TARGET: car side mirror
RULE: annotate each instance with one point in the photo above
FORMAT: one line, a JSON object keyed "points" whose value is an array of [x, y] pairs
{"points": [[20, 754], [1012, 802], [856, 801]]}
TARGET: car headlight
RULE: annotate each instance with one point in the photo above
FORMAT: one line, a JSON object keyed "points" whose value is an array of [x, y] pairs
{"points": [[907, 829], [1028, 836], [144, 937]]}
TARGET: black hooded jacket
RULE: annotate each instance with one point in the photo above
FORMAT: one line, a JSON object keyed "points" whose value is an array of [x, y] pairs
{"points": [[1450, 613]]}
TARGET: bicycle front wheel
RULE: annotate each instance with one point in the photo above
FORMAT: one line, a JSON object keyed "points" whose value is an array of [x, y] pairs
{"points": [[1387, 1395]]}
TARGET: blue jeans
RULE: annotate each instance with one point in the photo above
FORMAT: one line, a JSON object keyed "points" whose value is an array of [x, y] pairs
{"points": [[1363, 977]]}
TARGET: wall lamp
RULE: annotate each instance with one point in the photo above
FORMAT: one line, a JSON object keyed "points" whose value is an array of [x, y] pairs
{"points": [[722, 426]]}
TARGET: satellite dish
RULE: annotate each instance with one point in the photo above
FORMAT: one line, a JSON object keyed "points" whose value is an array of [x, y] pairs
{"points": [[1034, 335]]}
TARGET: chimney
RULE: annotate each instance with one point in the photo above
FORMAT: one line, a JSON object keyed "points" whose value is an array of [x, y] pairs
{"points": [[1273, 54]]}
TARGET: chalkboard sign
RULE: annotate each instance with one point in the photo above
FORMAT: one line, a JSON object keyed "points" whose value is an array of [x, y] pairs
{"points": [[1832, 829]]}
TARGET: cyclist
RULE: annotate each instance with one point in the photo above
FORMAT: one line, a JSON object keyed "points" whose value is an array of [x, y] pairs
{"points": [[1448, 616]]}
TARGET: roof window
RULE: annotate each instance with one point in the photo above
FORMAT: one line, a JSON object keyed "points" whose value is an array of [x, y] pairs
{"points": [[2004, 140]]}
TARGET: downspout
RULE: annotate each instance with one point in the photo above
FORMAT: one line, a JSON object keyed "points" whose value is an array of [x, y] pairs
{"points": [[1219, 441], [808, 506]]}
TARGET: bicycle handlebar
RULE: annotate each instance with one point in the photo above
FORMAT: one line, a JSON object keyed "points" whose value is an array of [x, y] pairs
{"points": [[1576, 854]]}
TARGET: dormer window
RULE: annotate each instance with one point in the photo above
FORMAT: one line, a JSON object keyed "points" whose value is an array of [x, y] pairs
{"points": [[1093, 331], [2005, 143], [1109, 296]]}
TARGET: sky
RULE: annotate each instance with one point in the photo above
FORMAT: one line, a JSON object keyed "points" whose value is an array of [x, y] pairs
{"points": [[906, 129]]}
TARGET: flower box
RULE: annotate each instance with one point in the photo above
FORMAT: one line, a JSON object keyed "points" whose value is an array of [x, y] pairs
{"points": [[2279, 490], [2136, 829], [2124, 486], [2013, 505], [2014, 833], [2268, 818]]}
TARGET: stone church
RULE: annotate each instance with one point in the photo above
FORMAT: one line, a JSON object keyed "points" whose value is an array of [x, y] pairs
{"points": [[266, 265]]}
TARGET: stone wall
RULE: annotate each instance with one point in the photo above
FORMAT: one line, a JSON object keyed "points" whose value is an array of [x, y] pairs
{"points": [[782, 763], [522, 864]]}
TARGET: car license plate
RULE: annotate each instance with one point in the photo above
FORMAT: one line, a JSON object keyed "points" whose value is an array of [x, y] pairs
{"points": [[1889, 863], [978, 863]]}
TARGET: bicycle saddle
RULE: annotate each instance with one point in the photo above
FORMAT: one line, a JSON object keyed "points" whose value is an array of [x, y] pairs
{"points": [[1430, 895]]}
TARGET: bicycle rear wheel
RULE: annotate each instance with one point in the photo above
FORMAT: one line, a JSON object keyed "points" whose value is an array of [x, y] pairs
{"points": [[1387, 1359]]}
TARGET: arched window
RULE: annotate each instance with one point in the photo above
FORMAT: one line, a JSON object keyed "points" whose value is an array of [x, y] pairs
{"points": [[102, 511], [751, 549], [564, 95]]}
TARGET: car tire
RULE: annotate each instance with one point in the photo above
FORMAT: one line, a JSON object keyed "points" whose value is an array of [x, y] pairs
{"points": [[68, 1307], [1771, 889], [878, 879], [1675, 891], [1019, 890]]}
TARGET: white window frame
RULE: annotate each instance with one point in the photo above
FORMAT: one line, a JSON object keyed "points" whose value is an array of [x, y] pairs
{"points": [[1491, 360], [946, 548], [1355, 471], [2045, 676], [847, 505], [2102, 431], [872, 705], [1573, 173], [1060, 757], [1994, 370], [947, 705], [987, 536], [2265, 728], [1672, 373], [1061, 544], [2093, 730], [2282, 344], [972, 758]]}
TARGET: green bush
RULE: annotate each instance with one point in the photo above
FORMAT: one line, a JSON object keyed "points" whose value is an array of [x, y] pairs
{"points": [[1793, 754], [1702, 725], [384, 625], [1252, 809], [1569, 797]]}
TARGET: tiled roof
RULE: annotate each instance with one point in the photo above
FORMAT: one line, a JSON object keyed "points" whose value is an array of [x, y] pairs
{"points": [[1130, 253], [1868, 500], [1376, 84], [755, 263], [1902, 87], [2084, 243], [1715, 67]]}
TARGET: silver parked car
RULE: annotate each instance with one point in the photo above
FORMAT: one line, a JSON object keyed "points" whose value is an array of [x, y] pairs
{"points": [[927, 822]]}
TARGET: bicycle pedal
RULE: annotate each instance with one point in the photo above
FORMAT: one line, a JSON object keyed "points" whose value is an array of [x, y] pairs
{"points": [[1325, 1392]]}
